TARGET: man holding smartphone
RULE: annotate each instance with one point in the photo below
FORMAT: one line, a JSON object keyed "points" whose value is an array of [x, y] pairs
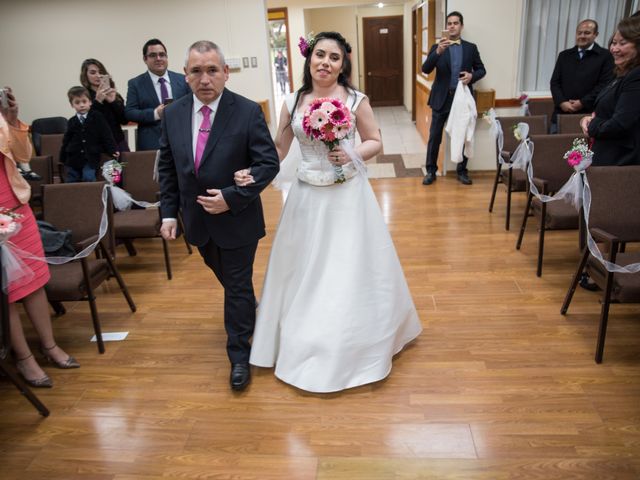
{"points": [[454, 60]]}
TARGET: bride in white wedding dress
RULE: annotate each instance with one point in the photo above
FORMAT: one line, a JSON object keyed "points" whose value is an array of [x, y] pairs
{"points": [[335, 305]]}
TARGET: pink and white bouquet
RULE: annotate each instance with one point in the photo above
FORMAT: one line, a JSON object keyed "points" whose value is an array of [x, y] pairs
{"points": [[8, 223], [112, 171], [329, 121], [579, 156]]}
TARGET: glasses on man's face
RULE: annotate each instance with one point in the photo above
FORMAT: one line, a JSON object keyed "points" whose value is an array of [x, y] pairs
{"points": [[157, 55]]}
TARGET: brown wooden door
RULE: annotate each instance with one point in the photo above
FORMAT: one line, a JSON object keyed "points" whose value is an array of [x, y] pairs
{"points": [[383, 60]]}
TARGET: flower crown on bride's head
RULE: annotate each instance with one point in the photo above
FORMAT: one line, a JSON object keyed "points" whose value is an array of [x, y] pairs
{"points": [[306, 44]]}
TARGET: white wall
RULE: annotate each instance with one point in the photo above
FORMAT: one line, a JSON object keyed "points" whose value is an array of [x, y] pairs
{"points": [[43, 43], [343, 20], [495, 27]]}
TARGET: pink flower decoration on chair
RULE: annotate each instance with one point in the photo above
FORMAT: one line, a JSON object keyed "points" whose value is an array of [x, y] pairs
{"points": [[574, 158]]}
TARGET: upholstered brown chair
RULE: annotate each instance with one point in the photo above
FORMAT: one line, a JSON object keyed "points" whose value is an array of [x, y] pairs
{"points": [[78, 207], [542, 106], [43, 166], [51, 144], [514, 180], [570, 123], [46, 126], [137, 180], [614, 221], [550, 173]]}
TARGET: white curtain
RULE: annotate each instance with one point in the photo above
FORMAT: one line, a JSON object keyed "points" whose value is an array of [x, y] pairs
{"points": [[550, 27]]}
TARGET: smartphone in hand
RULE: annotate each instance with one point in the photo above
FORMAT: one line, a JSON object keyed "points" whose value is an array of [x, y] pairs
{"points": [[445, 34], [167, 101], [105, 82], [4, 99]]}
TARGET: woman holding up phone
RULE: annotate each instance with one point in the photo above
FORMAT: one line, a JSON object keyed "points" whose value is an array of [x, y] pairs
{"points": [[95, 78]]}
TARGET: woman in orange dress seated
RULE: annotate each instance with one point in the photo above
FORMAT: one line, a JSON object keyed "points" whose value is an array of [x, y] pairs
{"points": [[14, 195]]}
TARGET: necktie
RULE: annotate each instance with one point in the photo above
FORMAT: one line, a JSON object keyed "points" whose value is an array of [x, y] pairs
{"points": [[203, 135], [164, 93], [455, 42], [82, 118], [580, 54]]}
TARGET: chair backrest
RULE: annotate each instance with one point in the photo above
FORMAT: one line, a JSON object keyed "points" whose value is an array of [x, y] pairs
{"points": [[137, 175], [46, 126], [537, 125], [50, 144], [548, 162], [570, 123], [615, 201], [77, 207], [43, 166], [542, 106]]}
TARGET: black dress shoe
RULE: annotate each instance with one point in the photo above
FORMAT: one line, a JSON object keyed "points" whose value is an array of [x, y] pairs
{"points": [[240, 376], [464, 179], [30, 175], [429, 179], [587, 283]]}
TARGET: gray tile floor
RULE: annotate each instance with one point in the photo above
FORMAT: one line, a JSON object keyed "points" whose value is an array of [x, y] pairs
{"points": [[401, 142]]}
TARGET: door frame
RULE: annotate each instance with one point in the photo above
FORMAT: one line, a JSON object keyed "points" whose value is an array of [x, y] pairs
{"points": [[277, 14]]}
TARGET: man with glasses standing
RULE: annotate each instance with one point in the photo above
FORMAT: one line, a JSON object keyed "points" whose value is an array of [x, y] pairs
{"points": [[150, 92]]}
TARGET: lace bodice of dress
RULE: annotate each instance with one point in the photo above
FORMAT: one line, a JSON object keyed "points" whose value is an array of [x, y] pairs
{"points": [[314, 167]]}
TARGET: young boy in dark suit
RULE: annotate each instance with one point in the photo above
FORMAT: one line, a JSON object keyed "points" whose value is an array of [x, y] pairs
{"points": [[87, 136]]}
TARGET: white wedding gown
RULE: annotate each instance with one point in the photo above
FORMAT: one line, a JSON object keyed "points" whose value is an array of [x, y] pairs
{"points": [[335, 305]]}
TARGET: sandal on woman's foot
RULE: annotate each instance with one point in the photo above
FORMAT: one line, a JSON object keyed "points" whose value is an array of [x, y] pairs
{"points": [[70, 362], [42, 382]]}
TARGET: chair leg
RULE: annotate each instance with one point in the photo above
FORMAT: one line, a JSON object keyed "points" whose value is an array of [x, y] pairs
{"points": [[507, 220], [495, 186], [167, 260], [604, 317], [95, 318], [24, 389], [543, 218], [128, 244], [524, 221], [574, 282], [606, 302], [121, 284]]}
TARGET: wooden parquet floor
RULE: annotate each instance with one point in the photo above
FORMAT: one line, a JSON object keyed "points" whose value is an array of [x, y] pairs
{"points": [[498, 386]]}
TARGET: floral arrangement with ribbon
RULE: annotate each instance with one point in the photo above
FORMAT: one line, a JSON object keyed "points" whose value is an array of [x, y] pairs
{"points": [[524, 101], [306, 44], [122, 200], [112, 171], [517, 132], [328, 120], [579, 156]]}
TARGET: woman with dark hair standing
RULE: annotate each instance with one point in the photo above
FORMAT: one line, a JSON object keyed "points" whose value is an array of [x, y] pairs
{"points": [[614, 125], [335, 305], [105, 99]]}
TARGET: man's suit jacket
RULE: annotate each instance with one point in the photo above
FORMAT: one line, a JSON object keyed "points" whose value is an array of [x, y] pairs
{"points": [[576, 79], [616, 125], [471, 62], [239, 139], [142, 100], [83, 143]]}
